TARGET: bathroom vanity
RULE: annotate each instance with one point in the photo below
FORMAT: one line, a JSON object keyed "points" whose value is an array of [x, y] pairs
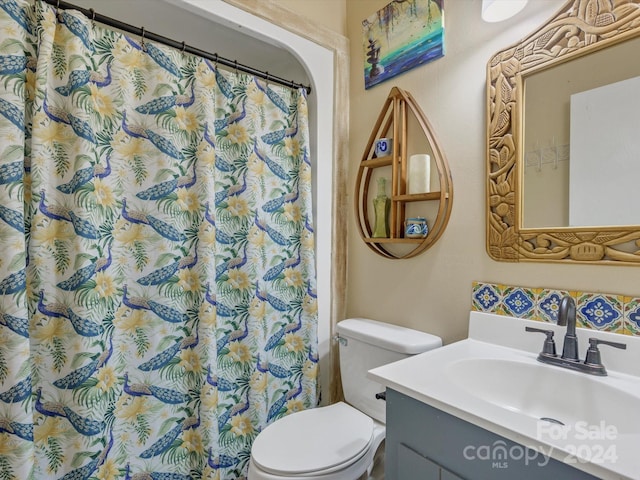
{"points": [[428, 444], [486, 408]]}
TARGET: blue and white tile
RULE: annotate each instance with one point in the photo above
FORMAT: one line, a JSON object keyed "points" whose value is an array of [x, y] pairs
{"points": [[600, 311], [631, 316], [519, 302], [486, 297], [548, 304]]}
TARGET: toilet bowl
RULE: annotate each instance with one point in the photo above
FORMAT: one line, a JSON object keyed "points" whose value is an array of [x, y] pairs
{"points": [[336, 442], [339, 441]]}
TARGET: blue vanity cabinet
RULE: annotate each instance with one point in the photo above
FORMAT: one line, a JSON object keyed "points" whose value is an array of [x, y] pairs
{"points": [[424, 443], [445, 475], [413, 465]]}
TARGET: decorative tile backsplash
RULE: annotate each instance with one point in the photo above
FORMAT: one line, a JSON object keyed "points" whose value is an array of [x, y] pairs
{"points": [[602, 311]]}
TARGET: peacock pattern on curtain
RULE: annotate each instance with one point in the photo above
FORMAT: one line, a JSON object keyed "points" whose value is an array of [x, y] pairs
{"points": [[157, 281]]}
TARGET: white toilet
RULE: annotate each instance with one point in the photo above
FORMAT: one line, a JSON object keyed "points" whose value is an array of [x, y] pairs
{"points": [[339, 441]]}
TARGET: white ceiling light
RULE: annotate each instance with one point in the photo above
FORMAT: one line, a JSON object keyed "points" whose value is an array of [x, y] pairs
{"points": [[498, 10]]}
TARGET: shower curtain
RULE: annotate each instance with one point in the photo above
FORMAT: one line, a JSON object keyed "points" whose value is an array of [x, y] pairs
{"points": [[157, 279]]}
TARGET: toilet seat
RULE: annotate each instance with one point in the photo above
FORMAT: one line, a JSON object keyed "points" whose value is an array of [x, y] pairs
{"points": [[314, 442]]}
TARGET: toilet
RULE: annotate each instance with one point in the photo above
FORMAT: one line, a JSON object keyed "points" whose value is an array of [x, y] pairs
{"points": [[339, 441]]}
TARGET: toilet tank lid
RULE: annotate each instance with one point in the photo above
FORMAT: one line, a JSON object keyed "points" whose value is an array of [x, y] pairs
{"points": [[392, 337]]}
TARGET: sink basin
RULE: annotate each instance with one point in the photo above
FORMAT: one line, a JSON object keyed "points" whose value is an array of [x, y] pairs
{"points": [[493, 380], [548, 393]]}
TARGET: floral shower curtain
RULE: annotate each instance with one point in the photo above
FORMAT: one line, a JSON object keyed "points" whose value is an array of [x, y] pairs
{"points": [[157, 283]]}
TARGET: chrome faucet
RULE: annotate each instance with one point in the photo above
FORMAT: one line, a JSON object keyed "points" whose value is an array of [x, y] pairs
{"points": [[569, 358]]}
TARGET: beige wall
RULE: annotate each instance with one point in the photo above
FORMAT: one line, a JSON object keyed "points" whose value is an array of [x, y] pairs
{"points": [[329, 13], [432, 292]]}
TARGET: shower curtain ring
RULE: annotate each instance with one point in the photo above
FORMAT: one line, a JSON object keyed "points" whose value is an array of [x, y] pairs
{"points": [[93, 17], [184, 45], [235, 67], [142, 45], [215, 62]]}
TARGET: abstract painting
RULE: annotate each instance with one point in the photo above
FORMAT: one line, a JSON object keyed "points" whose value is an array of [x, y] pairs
{"points": [[402, 35]]}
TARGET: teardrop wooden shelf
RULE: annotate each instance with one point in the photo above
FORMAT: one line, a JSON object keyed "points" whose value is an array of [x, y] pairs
{"points": [[393, 123]]}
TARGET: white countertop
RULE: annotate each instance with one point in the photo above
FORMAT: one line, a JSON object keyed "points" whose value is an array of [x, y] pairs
{"points": [[431, 378]]}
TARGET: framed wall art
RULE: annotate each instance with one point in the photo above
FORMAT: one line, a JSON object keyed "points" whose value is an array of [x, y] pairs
{"points": [[400, 36]]}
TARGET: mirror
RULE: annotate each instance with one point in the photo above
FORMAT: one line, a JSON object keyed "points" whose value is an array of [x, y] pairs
{"points": [[545, 198], [586, 124]]}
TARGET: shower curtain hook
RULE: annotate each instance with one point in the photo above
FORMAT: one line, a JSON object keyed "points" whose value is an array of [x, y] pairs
{"points": [[184, 45], [93, 17], [142, 45], [235, 67], [215, 62], [266, 77]]}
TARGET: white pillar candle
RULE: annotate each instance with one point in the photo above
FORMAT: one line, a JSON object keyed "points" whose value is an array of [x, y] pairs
{"points": [[419, 174]]}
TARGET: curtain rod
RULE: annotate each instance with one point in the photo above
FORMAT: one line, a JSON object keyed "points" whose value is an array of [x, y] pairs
{"points": [[142, 32]]}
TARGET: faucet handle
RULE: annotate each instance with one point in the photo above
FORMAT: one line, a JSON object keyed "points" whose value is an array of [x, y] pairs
{"points": [[549, 347], [593, 354]]}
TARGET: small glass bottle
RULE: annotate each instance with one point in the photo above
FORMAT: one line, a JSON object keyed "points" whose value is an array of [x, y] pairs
{"points": [[381, 207]]}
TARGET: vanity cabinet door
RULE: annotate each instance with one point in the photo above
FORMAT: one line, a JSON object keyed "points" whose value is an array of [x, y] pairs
{"points": [[415, 466], [422, 440], [447, 475]]}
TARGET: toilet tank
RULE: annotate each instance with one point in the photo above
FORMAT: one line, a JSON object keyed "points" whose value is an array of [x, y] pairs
{"points": [[367, 344]]}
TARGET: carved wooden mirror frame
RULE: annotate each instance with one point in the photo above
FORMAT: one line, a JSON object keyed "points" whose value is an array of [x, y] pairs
{"points": [[579, 28]]}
